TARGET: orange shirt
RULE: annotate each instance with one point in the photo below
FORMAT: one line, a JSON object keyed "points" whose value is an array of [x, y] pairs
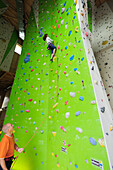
{"points": [[7, 146]]}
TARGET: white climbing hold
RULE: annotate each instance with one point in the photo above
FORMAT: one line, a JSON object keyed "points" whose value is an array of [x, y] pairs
{"points": [[72, 94], [67, 115], [79, 129]]}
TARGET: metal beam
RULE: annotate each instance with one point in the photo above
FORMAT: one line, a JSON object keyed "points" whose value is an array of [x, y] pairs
{"points": [[20, 14]]}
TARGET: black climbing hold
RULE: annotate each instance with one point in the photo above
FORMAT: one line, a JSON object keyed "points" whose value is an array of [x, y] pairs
{"points": [[102, 109]]}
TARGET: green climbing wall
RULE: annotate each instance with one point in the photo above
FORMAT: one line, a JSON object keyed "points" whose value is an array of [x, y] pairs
{"points": [[65, 137]]}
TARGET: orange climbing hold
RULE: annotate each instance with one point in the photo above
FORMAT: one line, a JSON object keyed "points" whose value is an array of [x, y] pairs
{"points": [[76, 2]]}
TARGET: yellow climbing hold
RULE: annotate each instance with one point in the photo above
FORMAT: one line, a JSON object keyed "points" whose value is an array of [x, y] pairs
{"points": [[55, 105], [0, 132], [54, 133], [76, 29], [96, 82], [111, 127], [54, 26], [58, 165], [101, 142], [52, 154], [90, 62], [104, 42], [49, 117], [54, 58]]}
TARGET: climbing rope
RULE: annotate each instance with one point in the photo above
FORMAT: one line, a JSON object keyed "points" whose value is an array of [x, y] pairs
{"points": [[34, 133], [57, 80]]}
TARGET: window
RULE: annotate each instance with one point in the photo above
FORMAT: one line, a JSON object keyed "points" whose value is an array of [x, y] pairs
{"points": [[18, 49]]}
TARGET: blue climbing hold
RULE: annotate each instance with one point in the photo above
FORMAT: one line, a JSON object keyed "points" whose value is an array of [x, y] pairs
{"points": [[77, 113], [71, 82], [68, 13], [27, 59], [41, 28], [82, 59], [70, 32], [81, 98], [41, 34], [65, 3], [76, 166], [34, 123], [74, 17], [75, 69], [35, 51], [26, 79], [71, 58], [28, 93], [20, 88], [79, 41], [21, 111], [66, 47], [67, 9], [92, 141], [67, 22]]}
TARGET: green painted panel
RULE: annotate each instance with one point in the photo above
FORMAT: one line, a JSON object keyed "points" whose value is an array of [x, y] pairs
{"points": [[90, 16], [12, 41], [2, 5]]}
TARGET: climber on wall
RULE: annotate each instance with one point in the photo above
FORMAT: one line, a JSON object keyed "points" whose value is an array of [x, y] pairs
{"points": [[51, 46]]}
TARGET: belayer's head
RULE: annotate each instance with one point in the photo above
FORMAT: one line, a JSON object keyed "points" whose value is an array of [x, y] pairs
{"points": [[45, 36], [8, 128]]}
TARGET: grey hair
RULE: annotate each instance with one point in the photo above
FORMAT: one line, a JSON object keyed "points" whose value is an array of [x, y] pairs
{"points": [[5, 127]]}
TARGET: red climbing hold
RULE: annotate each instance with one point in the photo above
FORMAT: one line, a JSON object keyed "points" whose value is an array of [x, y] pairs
{"points": [[86, 34]]}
